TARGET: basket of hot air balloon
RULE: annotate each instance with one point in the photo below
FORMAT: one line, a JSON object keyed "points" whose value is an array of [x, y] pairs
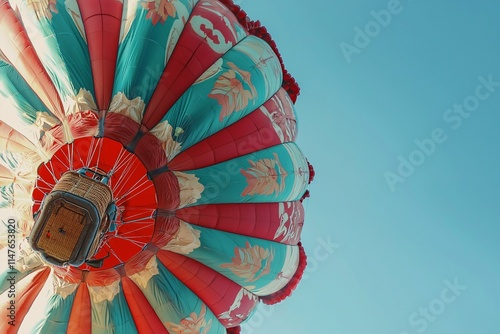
{"points": [[73, 219], [185, 110]]}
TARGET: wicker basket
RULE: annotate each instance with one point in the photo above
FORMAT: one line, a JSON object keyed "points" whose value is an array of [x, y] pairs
{"points": [[73, 220], [80, 185]]}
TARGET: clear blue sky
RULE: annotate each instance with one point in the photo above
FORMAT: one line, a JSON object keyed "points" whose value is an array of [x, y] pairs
{"points": [[399, 246]]}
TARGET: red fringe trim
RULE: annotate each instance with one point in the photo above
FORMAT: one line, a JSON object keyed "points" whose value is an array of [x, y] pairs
{"points": [[307, 194], [256, 29], [234, 330], [312, 173], [290, 287]]}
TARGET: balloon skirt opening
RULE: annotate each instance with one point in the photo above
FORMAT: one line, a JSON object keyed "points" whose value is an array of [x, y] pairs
{"points": [[133, 193]]}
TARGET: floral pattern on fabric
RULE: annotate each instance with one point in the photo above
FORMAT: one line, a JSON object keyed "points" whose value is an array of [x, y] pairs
{"points": [[131, 108], [83, 101], [99, 294], [159, 10], [143, 277], [167, 136], [282, 117], [190, 188], [239, 309], [264, 177], [289, 217], [44, 122], [185, 241], [194, 324], [230, 92], [250, 262]]}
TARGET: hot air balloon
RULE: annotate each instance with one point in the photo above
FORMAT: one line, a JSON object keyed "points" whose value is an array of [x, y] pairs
{"points": [[149, 177]]}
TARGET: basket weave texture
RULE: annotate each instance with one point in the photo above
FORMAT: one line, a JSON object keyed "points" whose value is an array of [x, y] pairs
{"points": [[71, 217], [59, 245], [85, 187]]}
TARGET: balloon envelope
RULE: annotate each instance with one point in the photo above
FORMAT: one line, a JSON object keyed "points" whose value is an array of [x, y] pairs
{"points": [[186, 105]]}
